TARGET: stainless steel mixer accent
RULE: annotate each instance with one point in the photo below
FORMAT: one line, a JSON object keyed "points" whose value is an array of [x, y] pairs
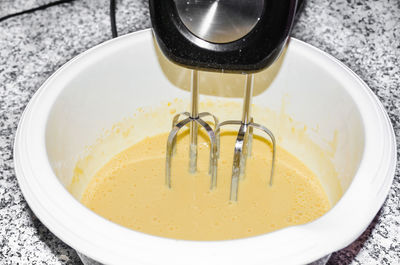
{"points": [[195, 119], [244, 140], [220, 21]]}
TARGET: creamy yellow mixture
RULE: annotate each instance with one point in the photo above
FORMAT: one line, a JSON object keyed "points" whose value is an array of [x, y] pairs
{"points": [[130, 190]]}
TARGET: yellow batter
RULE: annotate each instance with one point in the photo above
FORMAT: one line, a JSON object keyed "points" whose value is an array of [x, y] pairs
{"points": [[130, 190]]}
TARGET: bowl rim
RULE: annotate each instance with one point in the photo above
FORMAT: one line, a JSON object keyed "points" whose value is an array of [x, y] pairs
{"points": [[111, 243]]}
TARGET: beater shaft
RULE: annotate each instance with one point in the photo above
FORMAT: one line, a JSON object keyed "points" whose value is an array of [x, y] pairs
{"points": [[248, 94], [193, 126], [246, 119]]}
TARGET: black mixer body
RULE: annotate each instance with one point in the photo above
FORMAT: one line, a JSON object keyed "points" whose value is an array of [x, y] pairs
{"points": [[229, 35]]}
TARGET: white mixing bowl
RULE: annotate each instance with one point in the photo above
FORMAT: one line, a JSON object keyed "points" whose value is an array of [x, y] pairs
{"points": [[109, 82]]}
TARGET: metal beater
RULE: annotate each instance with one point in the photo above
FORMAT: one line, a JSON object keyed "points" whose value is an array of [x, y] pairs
{"points": [[244, 139], [241, 36], [195, 119]]}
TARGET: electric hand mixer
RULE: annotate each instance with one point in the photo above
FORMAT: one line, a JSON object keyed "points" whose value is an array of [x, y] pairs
{"points": [[241, 36]]}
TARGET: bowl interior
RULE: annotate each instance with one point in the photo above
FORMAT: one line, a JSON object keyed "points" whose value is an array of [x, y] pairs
{"points": [[304, 102]]}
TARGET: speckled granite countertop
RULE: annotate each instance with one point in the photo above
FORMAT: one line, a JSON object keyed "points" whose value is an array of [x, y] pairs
{"points": [[364, 34]]}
